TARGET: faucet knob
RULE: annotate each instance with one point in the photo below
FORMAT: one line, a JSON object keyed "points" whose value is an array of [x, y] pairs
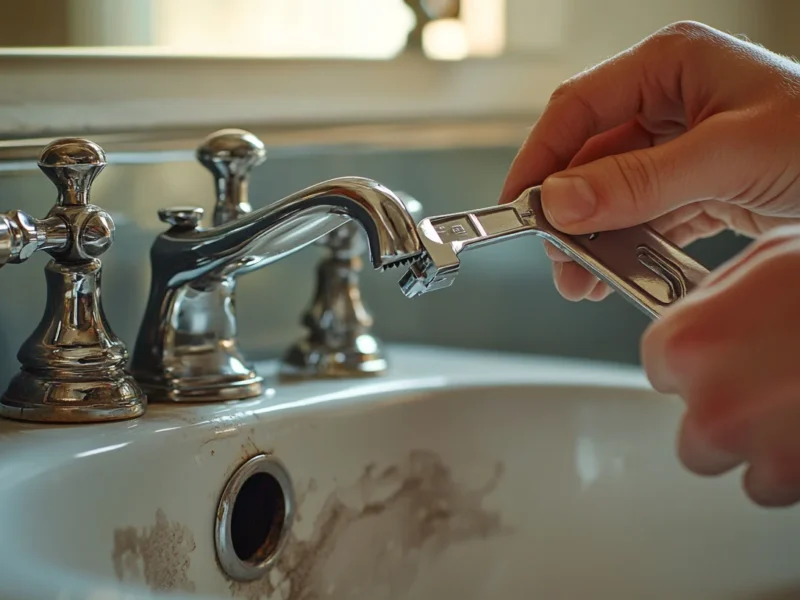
{"points": [[72, 165], [184, 217], [73, 365], [230, 155]]}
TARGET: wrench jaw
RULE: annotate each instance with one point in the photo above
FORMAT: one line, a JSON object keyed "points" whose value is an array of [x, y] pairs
{"points": [[436, 268]]}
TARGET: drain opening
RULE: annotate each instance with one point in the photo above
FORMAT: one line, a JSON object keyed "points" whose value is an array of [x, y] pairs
{"points": [[254, 516], [257, 520]]}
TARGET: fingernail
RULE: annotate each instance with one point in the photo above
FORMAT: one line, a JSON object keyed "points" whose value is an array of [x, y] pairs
{"points": [[567, 199]]}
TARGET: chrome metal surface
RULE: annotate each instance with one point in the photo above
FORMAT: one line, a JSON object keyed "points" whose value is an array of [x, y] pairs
{"points": [[73, 365], [182, 216], [205, 326], [637, 262], [21, 235], [339, 342], [230, 155], [253, 567], [185, 349]]}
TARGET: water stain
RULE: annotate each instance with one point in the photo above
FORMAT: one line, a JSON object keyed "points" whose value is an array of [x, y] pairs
{"points": [[300, 497], [157, 555], [378, 532]]}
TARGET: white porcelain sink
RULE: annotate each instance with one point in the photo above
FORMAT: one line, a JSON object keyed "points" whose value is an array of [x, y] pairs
{"points": [[461, 475]]}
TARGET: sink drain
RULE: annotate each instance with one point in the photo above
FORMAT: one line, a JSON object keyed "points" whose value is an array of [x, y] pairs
{"points": [[254, 516]]}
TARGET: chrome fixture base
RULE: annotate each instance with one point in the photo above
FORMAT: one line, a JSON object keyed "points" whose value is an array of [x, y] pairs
{"points": [[308, 359], [340, 343], [73, 365], [211, 388], [31, 397]]}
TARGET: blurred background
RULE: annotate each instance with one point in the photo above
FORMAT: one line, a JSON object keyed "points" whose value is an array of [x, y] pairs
{"points": [[503, 300]]}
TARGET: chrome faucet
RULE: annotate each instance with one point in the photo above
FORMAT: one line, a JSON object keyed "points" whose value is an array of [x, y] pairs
{"points": [[207, 317], [339, 341], [73, 365], [186, 347]]}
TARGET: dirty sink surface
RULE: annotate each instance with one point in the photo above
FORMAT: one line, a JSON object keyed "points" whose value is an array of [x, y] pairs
{"points": [[461, 475]]}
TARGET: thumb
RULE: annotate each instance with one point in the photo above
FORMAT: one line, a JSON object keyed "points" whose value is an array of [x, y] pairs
{"points": [[635, 187]]}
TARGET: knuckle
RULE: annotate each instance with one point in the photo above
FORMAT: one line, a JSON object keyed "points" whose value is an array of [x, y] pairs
{"points": [[570, 95], [683, 32], [683, 38], [687, 342], [638, 180], [716, 416], [564, 91]]}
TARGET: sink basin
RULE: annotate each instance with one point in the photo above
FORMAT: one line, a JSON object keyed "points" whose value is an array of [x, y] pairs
{"points": [[462, 474]]}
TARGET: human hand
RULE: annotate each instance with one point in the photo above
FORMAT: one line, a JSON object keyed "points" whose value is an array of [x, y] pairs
{"points": [[730, 350], [692, 130]]}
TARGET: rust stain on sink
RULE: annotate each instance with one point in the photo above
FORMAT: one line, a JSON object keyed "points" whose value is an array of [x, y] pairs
{"points": [[378, 532], [157, 555]]}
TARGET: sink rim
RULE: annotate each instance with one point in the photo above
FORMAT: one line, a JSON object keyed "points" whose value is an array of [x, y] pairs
{"points": [[413, 369]]}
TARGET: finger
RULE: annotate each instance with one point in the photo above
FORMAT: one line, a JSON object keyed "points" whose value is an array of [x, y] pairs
{"points": [[572, 281], [554, 253], [710, 161], [623, 138], [643, 80], [756, 423], [600, 292], [679, 346], [701, 228], [770, 244], [735, 368], [628, 136], [773, 478], [774, 483], [744, 221], [699, 456], [679, 216]]}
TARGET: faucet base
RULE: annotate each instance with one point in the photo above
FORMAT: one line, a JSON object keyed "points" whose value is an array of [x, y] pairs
{"points": [[73, 364], [309, 359], [43, 399], [205, 388]]}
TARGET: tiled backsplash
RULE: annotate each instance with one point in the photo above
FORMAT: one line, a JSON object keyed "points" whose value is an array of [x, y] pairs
{"points": [[504, 298]]}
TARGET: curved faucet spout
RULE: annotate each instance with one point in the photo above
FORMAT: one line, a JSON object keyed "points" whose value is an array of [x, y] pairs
{"points": [[182, 320], [183, 255]]}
